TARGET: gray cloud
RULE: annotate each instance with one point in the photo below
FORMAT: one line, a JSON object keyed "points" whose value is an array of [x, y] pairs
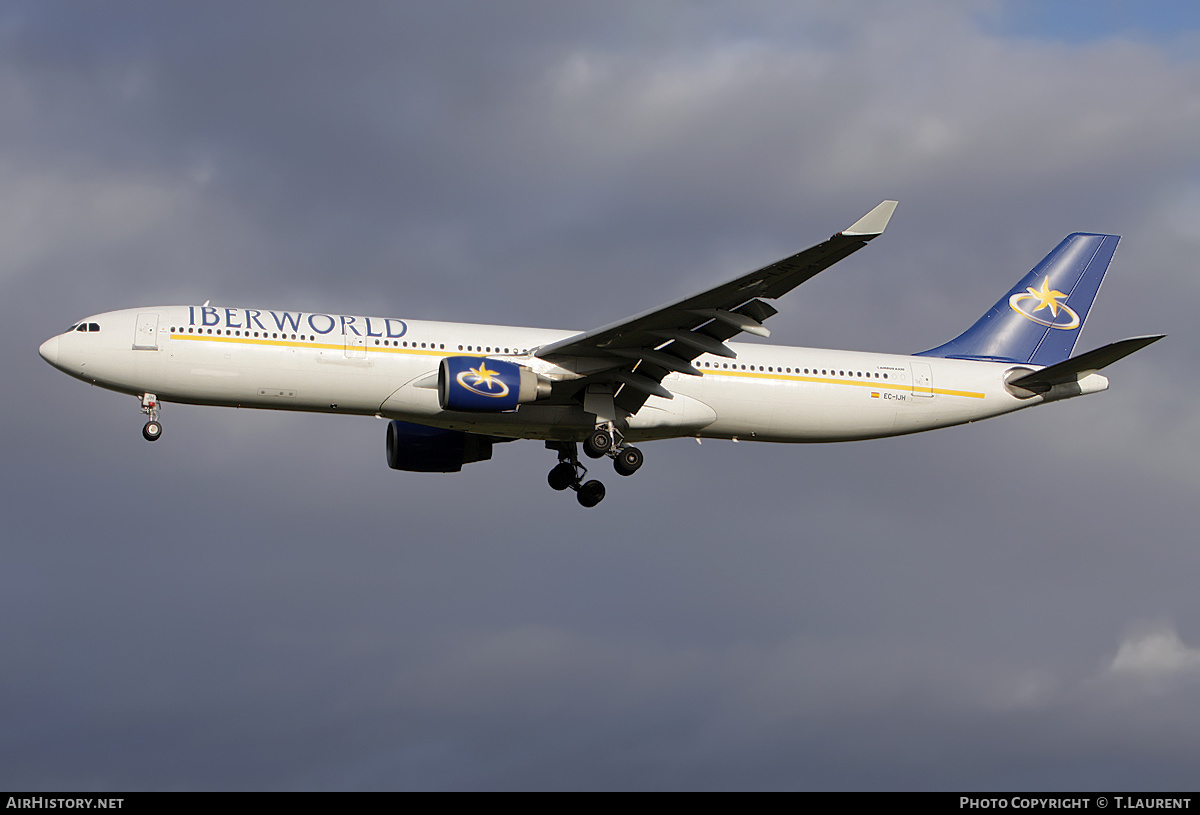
{"points": [[257, 602]]}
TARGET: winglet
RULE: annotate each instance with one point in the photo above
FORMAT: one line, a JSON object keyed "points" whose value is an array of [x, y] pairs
{"points": [[873, 222]]}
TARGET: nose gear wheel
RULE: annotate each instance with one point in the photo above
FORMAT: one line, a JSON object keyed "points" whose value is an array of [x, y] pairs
{"points": [[152, 431]]}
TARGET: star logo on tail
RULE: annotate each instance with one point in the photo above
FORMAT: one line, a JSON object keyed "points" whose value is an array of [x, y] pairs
{"points": [[1044, 298]]}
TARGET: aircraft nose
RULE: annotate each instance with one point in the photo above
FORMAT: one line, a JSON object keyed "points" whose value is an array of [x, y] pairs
{"points": [[49, 350]]}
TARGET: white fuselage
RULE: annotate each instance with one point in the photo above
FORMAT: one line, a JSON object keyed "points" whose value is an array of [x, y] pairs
{"points": [[261, 358]]}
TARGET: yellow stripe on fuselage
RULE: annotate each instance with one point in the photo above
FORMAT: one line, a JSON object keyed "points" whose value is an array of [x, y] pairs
{"points": [[873, 384], [321, 345]]}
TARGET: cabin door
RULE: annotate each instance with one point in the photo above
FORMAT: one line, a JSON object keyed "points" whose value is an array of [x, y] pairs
{"points": [[922, 379], [145, 336], [356, 346]]}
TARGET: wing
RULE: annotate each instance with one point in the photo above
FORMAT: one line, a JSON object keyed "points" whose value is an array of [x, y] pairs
{"points": [[637, 353]]}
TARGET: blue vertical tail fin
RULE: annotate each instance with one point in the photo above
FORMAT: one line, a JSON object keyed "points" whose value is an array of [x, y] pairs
{"points": [[1038, 321]]}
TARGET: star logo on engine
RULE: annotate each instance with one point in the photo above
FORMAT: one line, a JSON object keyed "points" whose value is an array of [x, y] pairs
{"points": [[486, 383]]}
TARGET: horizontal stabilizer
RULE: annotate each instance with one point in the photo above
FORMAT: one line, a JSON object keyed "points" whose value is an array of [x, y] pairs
{"points": [[1076, 368]]}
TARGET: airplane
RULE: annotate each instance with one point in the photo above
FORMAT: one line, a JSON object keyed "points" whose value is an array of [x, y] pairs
{"points": [[453, 390]]}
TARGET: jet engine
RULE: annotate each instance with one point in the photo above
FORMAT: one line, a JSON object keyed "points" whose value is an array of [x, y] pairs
{"points": [[421, 449], [484, 385]]}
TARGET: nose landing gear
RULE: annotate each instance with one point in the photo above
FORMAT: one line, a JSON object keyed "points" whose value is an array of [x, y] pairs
{"points": [[153, 428]]}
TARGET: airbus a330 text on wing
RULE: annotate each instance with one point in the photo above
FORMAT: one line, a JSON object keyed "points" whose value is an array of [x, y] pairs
{"points": [[453, 390]]}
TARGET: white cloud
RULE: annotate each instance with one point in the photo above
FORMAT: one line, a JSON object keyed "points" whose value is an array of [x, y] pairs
{"points": [[1154, 651], [915, 591]]}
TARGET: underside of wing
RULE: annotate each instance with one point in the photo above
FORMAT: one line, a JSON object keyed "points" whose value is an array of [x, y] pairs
{"points": [[632, 357]]}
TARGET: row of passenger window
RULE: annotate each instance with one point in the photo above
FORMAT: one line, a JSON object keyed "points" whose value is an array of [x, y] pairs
{"points": [[407, 344], [474, 349], [236, 333], [275, 335], [772, 369], [488, 349]]}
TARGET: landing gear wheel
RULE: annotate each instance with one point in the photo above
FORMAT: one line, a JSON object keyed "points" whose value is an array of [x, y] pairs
{"points": [[562, 476], [597, 444], [153, 429], [590, 493], [627, 461]]}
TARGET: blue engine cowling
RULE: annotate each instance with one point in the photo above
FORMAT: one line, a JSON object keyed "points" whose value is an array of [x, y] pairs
{"points": [[483, 385], [421, 449]]}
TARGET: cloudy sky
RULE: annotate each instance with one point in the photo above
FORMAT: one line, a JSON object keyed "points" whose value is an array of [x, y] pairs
{"points": [[257, 602]]}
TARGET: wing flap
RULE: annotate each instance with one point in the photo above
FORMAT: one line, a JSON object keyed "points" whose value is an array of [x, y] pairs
{"points": [[644, 349]]}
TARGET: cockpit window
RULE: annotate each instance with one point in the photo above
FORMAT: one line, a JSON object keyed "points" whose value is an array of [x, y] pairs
{"points": [[92, 327], [72, 328], [81, 327]]}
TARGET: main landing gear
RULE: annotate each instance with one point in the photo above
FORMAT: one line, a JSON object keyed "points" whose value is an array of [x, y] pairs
{"points": [[153, 429], [569, 473]]}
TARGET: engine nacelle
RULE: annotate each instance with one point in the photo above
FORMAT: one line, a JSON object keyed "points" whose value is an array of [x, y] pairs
{"points": [[483, 385], [421, 449]]}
